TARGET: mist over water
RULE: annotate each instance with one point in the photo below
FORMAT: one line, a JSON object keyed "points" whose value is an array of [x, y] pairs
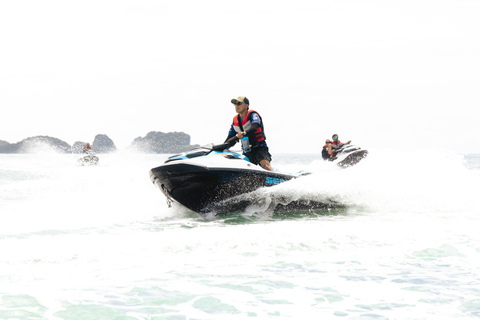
{"points": [[100, 242]]}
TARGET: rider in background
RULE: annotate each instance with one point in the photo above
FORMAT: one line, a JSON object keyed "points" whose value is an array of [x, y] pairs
{"points": [[87, 148]]}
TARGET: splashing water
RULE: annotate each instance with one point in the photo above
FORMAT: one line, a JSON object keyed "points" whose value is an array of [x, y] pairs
{"points": [[100, 242], [386, 181]]}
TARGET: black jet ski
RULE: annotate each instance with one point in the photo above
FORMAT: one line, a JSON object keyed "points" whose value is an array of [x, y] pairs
{"points": [[347, 155], [88, 159], [204, 177]]}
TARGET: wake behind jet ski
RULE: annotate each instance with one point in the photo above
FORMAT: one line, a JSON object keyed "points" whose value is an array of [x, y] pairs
{"points": [[203, 177]]}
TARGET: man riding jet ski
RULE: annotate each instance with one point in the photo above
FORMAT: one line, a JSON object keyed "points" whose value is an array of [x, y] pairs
{"points": [[207, 176]]}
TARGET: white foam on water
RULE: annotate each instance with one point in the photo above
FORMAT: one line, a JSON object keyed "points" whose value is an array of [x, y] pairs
{"points": [[119, 191], [58, 194]]}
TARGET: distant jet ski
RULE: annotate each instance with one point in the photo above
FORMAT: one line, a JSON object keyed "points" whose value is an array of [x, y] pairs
{"points": [[89, 159], [348, 155], [207, 176]]}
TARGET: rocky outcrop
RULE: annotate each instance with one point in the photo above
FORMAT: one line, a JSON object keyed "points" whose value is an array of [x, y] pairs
{"points": [[103, 144], [159, 142], [35, 144], [5, 147]]}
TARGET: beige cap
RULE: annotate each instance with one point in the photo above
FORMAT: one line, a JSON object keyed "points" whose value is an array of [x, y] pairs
{"points": [[240, 99]]}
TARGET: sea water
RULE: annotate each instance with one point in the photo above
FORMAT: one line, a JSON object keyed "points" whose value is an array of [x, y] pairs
{"points": [[101, 243]]}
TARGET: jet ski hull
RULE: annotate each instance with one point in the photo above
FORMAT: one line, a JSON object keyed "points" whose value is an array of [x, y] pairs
{"points": [[352, 158], [199, 187], [348, 155]]}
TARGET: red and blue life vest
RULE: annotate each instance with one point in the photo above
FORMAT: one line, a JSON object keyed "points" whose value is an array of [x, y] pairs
{"points": [[244, 125]]}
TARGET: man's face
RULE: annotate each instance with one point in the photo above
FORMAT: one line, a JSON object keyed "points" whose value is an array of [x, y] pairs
{"points": [[240, 107], [335, 138]]}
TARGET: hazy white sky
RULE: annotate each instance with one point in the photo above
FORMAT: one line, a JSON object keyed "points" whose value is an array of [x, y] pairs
{"points": [[405, 72]]}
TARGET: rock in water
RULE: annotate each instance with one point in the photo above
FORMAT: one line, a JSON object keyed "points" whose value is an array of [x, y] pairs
{"points": [[78, 147], [40, 144], [159, 142], [103, 144]]}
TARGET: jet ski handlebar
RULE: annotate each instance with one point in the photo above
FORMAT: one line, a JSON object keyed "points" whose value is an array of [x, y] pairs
{"points": [[227, 144], [220, 147]]}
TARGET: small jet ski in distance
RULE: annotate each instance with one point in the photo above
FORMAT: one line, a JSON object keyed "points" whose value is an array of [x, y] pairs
{"points": [[88, 159], [348, 155], [200, 178]]}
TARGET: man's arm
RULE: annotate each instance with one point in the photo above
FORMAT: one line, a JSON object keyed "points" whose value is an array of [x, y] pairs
{"points": [[231, 134], [253, 128], [231, 140]]}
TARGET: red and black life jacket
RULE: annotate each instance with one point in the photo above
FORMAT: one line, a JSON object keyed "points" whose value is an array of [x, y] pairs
{"points": [[244, 125], [336, 143]]}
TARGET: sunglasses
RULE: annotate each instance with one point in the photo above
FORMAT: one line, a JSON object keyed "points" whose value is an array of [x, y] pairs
{"points": [[336, 138], [238, 103]]}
